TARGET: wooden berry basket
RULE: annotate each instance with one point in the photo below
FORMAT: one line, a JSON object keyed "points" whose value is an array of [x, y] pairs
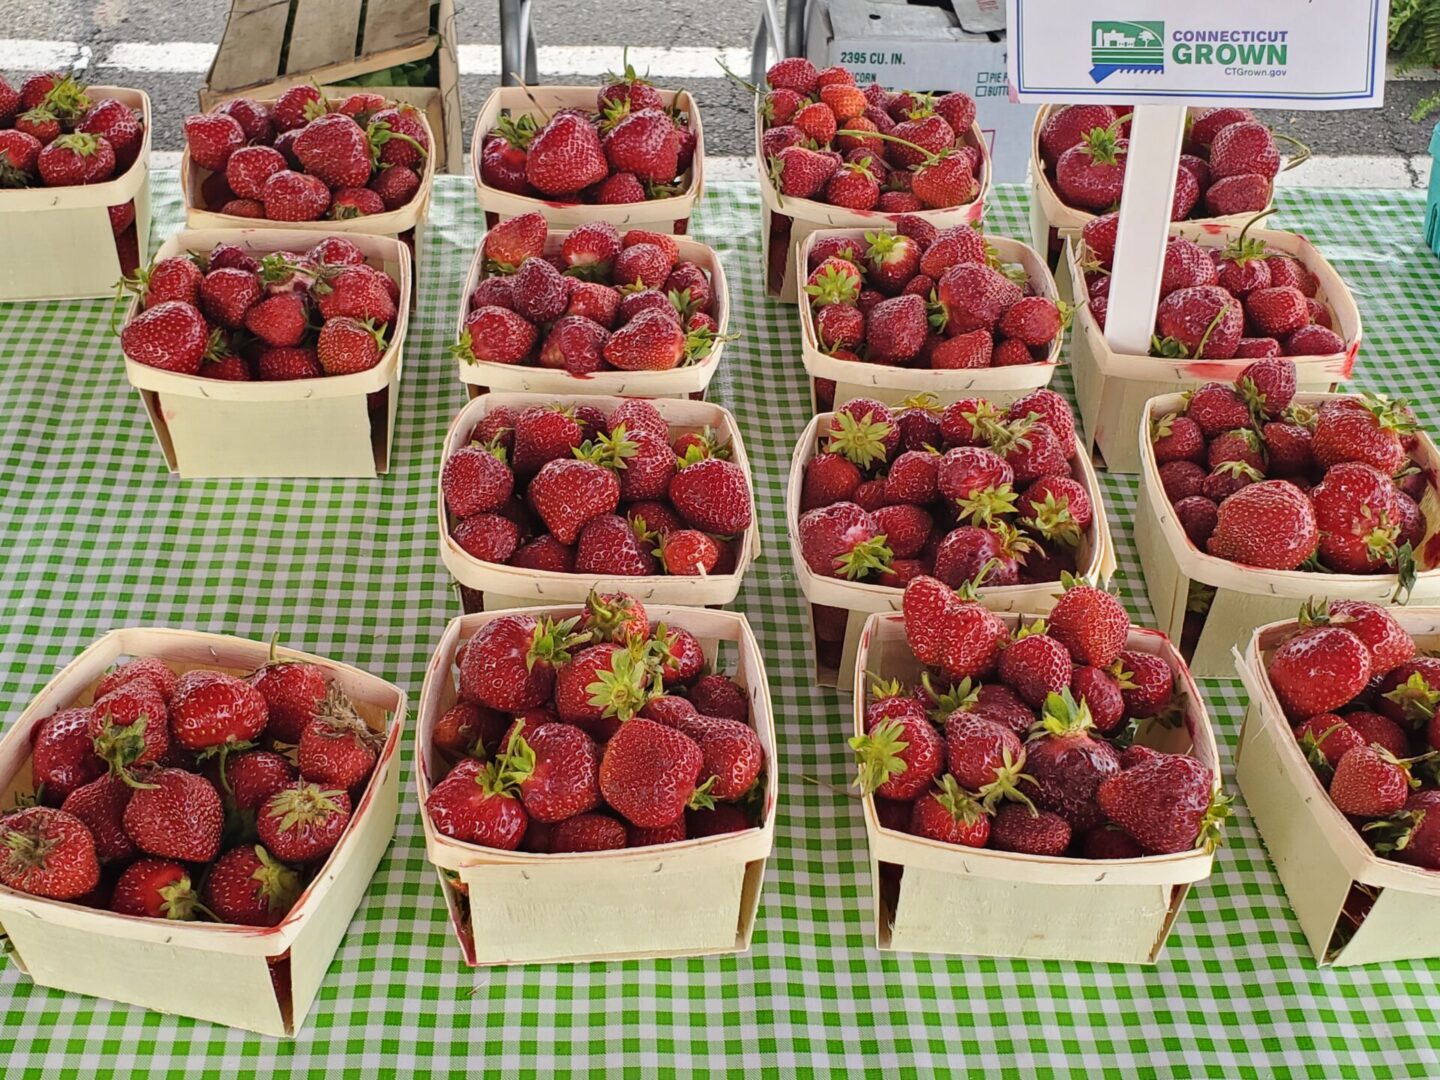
{"points": [[300, 427], [686, 899], [1096, 564], [1052, 222], [670, 215], [807, 215], [981, 901], [1111, 388], [209, 971], [58, 242], [1245, 596], [1316, 851], [891, 384], [678, 382], [391, 223], [513, 586]]}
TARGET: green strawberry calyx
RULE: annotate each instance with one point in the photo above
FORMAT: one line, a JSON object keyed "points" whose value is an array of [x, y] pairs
{"points": [[860, 440], [553, 641], [960, 804], [877, 755], [625, 688], [1063, 716]]}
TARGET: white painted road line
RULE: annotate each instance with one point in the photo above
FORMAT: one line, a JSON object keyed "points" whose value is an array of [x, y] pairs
{"points": [[194, 57], [18, 54]]}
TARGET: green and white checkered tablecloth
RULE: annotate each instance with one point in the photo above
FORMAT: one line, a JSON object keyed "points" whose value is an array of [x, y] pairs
{"points": [[94, 534]]}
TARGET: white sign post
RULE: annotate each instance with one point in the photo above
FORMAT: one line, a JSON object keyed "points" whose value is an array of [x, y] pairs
{"points": [[1161, 58]]}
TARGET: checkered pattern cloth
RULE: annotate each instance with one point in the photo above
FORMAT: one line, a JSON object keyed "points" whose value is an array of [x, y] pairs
{"points": [[97, 535]]}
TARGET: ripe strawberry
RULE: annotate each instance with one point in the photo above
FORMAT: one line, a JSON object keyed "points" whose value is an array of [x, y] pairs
{"points": [[1029, 832], [293, 693], [1370, 782], [297, 106], [400, 133], [896, 329], [1356, 514], [40, 124], [334, 148], [1325, 738], [568, 493], [1369, 431], [509, 664], [1243, 148], [346, 346], [280, 320], [713, 496], [1288, 270], [1033, 320], [958, 636], [610, 544], [357, 292], [119, 126], [1065, 764], [290, 363], [101, 805], [565, 156], [984, 756], [249, 887], [1276, 311], [1314, 341], [1045, 404], [1388, 643], [1202, 321], [1187, 266], [898, 758], [972, 296], [842, 540], [251, 777], [1091, 174], [1246, 193], [211, 138], [720, 695], [649, 773], [294, 196], [643, 142], [18, 153], [1166, 803], [1182, 479], [226, 295], [801, 173], [949, 814], [733, 757], [353, 202], [253, 117], [1091, 623], [1216, 407], [543, 434], [130, 726], [336, 748], [1381, 731], [249, 167], [62, 756], [47, 852], [475, 480], [1067, 126], [495, 335], [1268, 386], [1318, 670], [176, 815], [155, 889], [589, 832], [795, 73], [687, 552], [172, 336], [1036, 665], [303, 823], [76, 159], [1270, 524], [629, 88]]}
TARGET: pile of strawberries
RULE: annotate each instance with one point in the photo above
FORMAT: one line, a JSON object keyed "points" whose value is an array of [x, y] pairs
{"points": [[1242, 300], [630, 149], [307, 157], [603, 302], [53, 135], [1362, 700], [197, 796], [1229, 163], [828, 140], [593, 733], [567, 488], [1026, 742], [967, 493], [928, 298], [287, 315], [1261, 481]]}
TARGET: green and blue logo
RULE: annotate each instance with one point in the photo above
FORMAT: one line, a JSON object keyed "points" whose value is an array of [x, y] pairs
{"points": [[1126, 46]]}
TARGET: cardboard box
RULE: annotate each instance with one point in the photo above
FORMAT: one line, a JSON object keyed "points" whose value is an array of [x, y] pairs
{"points": [[216, 972], [905, 46], [323, 41]]}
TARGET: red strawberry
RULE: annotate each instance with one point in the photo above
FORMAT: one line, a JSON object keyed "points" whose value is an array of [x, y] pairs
{"points": [[984, 756], [1033, 320], [293, 692], [495, 335], [800, 173], [1277, 311], [509, 663], [293, 363], [401, 135], [1369, 430], [249, 167], [565, 156], [171, 335], [1068, 125], [1388, 643], [1201, 321], [1166, 803], [1246, 193], [346, 346], [1355, 511], [1065, 764], [1242, 148], [334, 148], [1091, 174], [896, 329], [297, 106], [1018, 829], [543, 434], [973, 296], [176, 815], [949, 814], [211, 138], [1216, 407], [644, 142], [958, 636], [62, 756], [253, 776], [253, 117], [76, 159], [1270, 524], [898, 758], [337, 748], [475, 480], [248, 887], [101, 805], [589, 832], [1187, 265], [47, 852], [1318, 670], [1324, 738], [18, 154], [719, 695], [842, 540], [130, 725], [569, 493], [796, 73], [649, 773], [733, 758], [1369, 782], [303, 823], [713, 495], [1091, 623], [294, 196], [155, 889], [1036, 665]]}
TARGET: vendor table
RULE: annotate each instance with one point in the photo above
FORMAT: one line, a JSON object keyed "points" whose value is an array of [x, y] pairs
{"points": [[95, 534]]}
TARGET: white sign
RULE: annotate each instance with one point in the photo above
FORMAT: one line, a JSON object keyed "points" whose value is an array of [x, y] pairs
{"points": [[1288, 54]]}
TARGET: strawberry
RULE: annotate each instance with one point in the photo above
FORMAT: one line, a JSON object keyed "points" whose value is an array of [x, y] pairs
{"points": [[644, 142], [906, 529], [972, 296], [565, 156], [629, 88], [495, 335], [18, 153], [1057, 508], [293, 693], [1319, 669], [949, 814], [1166, 804], [156, 889], [1099, 690], [1325, 738], [1288, 270], [1314, 341], [353, 202], [346, 346], [687, 552], [1198, 516], [984, 756], [1216, 407], [896, 329], [295, 196], [511, 242], [1066, 765], [76, 159], [538, 290], [563, 772], [733, 758], [616, 617], [475, 480], [590, 832], [62, 756], [795, 73], [130, 726], [1356, 515], [1410, 834], [1035, 664], [297, 106], [569, 492], [47, 852], [1242, 194], [1033, 320], [1069, 125], [680, 655], [649, 773], [1381, 731], [280, 320], [1091, 174], [1242, 445], [293, 363], [249, 167], [1187, 266], [1245, 147], [509, 664], [1270, 524], [401, 135], [1368, 431], [1370, 782], [249, 887], [842, 540], [944, 630], [652, 341], [911, 479], [303, 823], [544, 433], [1092, 624], [337, 748], [101, 805], [253, 776], [1182, 479], [227, 294], [594, 301], [40, 124], [358, 292], [1268, 386], [1388, 643], [211, 138], [360, 106], [253, 117], [713, 496], [800, 173], [1201, 321], [171, 335], [175, 815], [1029, 832], [898, 758], [397, 186], [1410, 692], [610, 544], [334, 148], [1276, 311], [719, 695]]}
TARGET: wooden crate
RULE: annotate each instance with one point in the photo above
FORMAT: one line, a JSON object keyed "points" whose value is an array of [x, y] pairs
{"points": [[1111, 389], [985, 902], [1052, 222], [1095, 563], [1247, 597], [808, 215], [300, 427], [679, 382], [57, 242], [686, 899], [1316, 851], [209, 971], [670, 215], [512, 586], [257, 58], [892, 385], [399, 222]]}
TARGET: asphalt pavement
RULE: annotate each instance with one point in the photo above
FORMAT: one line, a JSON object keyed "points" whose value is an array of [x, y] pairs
{"points": [[580, 28]]}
